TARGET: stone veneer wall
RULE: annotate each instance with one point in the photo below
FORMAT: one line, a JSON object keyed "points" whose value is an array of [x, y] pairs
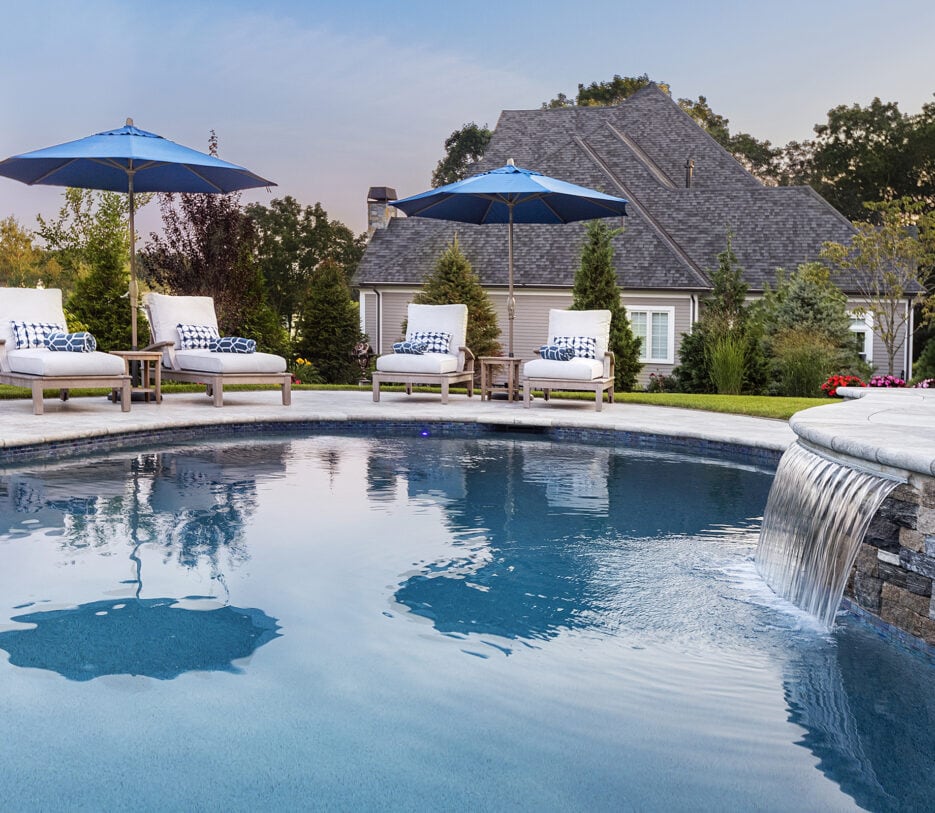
{"points": [[895, 568]]}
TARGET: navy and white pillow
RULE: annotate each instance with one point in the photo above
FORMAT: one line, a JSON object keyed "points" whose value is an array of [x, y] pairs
{"points": [[81, 342], [554, 352], [410, 348], [584, 347], [196, 337], [232, 344], [34, 334], [435, 342]]}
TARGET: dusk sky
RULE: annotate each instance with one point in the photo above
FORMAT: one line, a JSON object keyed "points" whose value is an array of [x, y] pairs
{"points": [[328, 99]]}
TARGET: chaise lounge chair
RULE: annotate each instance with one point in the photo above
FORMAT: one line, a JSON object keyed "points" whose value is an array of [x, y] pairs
{"points": [[183, 326], [433, 353], [28, 316], [576, 357]]}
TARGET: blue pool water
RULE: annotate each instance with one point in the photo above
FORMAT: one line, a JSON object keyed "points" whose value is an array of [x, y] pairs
{"points": [[355, 623]]}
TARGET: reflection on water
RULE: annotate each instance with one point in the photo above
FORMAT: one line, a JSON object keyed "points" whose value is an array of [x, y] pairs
{"points": [[875, 740], [152, 637], [639, 661], [536, 525]]}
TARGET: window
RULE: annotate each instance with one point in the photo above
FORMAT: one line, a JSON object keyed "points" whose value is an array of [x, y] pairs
{"points": [[656, 330], [862, 328]]}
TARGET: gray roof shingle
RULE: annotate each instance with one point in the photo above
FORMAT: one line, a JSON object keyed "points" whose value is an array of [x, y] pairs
{"points": [[673, 235]]}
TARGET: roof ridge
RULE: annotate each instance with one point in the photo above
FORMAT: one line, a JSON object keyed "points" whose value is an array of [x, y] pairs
{"points": [[654, 224]]}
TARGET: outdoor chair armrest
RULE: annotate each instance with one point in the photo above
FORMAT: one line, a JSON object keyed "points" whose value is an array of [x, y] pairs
{"points": [[609, 364], [465, 358], [158, 346]]}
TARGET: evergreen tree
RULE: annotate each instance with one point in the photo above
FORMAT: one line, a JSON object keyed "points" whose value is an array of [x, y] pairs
{"points": [[90, 239], [329, 326], [454, 282], [595, 288], [724, 323]]}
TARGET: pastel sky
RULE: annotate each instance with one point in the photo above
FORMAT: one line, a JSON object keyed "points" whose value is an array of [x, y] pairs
{"points": [[330, 98]]}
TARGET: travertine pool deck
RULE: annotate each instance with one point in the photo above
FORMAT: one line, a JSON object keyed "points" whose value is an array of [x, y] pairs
{"points": [[84, 424]]}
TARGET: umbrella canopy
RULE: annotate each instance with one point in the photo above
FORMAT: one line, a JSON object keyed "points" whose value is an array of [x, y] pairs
{"points": [[511, 194], [130, 160]]}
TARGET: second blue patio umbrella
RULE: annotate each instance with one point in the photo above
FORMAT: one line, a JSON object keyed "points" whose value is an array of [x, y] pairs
{"points": [[130, 160], [511, 195]]}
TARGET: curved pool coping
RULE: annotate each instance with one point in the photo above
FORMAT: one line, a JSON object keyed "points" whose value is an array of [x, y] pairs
{"points": [[89, 425]]}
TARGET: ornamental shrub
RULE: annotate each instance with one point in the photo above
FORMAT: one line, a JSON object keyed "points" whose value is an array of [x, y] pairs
{"points": [[886, 381]]}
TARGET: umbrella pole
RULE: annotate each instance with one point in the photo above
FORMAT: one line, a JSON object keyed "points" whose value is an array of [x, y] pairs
{"points": [[133, 287], [511, 300]]}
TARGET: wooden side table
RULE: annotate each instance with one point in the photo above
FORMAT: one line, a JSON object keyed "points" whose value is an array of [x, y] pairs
{"points": [[150, 381], [487, 366]]}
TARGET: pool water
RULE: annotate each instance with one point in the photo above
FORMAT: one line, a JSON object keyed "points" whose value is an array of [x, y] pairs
{"points": [[359, 623]]}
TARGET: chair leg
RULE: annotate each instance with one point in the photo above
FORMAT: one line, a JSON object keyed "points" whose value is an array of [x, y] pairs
{"points": [[599, 398], [526, 393], [376, 389], [445, 391], [37, 405], [287, 391], [218, 388], [125, 396], [63, 395]]}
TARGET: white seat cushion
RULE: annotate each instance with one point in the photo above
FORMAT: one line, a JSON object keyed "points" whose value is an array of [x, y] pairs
{"points": [[204, 361], [431, 363], [38, 361], [577, 369]]}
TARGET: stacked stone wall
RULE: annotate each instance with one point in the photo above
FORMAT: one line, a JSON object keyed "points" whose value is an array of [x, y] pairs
{"points": [[895, 568]]}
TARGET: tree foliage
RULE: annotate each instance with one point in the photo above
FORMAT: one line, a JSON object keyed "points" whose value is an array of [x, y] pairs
{"points": [[887, 263], [463, 149], [329, 325], [90, 240], [25, 265], [291, 242], [595, 288], [867, 154], [453, 281], [208, 248]]}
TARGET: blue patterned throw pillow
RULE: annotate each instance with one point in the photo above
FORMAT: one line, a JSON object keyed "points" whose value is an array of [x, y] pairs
{"points": [[34, 334], [232, 344], [584, 347], [411, 348], [196, 337], [554, 352], [81, 342], [434, 342]]}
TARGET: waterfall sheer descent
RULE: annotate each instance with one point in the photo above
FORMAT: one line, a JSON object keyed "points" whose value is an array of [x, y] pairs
{"points": [[816, 517]]}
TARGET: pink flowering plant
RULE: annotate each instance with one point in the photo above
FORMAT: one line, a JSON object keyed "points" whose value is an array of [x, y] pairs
{"points": [[926, 383], [830, 387], [886, 381]]}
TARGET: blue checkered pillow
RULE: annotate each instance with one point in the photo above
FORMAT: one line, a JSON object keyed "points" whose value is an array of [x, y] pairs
{"points": [[196, 337], [411, 348], [82, 342], [34, 334], [554, 352], [434, 342], [584, 347], [232, 344]]}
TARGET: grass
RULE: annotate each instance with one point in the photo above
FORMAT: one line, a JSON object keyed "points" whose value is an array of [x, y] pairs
{"points": [[760, 406]]}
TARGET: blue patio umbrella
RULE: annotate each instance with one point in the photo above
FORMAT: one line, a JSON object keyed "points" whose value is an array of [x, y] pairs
{"points": [[130, 160], [511, 194]]}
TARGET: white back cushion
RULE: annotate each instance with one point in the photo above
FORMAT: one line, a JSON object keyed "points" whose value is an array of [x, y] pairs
{"points": [[28, 305], [581, 323], [439, 318], [165, 312]]}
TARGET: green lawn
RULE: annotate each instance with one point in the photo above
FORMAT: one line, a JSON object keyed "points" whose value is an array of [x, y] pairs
{"points": [[760, 406]]}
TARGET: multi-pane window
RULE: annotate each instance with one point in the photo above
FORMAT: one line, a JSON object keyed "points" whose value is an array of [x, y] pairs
{"points": [[655, 327]]}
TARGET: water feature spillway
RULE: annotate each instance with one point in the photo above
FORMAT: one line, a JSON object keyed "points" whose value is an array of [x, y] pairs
{"points": [[816, 517]]}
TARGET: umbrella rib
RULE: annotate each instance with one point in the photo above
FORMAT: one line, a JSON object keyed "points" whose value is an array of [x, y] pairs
{"points": [[51, 172], [198, 175]]}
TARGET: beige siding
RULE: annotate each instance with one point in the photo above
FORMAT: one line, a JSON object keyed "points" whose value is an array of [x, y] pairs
{"points": [[682, 313], [392, 315], [368, 316]]}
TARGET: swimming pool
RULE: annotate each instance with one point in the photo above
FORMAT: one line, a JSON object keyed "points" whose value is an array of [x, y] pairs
{"points": [[419, 623]]}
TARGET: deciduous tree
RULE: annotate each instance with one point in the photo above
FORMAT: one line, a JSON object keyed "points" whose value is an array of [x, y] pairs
{"points": [[463, 149]]}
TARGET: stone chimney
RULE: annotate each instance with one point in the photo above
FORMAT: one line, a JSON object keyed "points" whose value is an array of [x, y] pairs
{"points": [[379, 208]]}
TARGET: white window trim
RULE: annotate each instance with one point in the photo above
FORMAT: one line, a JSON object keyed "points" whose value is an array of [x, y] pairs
{"points": [[866, 329], [670, 338]]}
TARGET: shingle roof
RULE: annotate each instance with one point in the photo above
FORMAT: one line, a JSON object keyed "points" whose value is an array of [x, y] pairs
{"points": [[638, 150]]}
